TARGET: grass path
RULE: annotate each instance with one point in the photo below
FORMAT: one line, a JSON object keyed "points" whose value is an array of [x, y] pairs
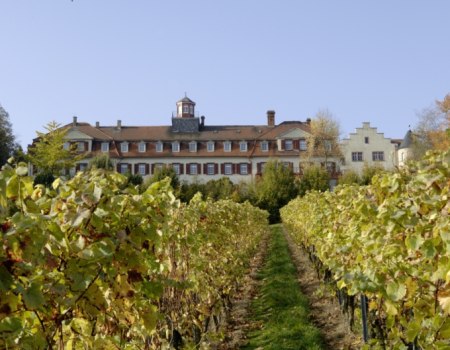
{"points": [[280, 312]]}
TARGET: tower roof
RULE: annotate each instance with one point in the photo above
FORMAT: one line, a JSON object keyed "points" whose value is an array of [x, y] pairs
{"points": [[407, 140], [186, 99]]}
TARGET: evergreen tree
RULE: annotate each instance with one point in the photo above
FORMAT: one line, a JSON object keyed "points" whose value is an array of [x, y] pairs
{"points": [[8, 143]]}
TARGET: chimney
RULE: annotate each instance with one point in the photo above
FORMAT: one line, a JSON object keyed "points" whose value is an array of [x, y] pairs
{"points": [[97, 124], [119, 125], [202, 123], [271, 118], [74, 121], [308, 121]]}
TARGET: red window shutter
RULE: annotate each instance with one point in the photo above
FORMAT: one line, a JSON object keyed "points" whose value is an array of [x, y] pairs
{"points": [[188, 168], [181, 169], [153, 168], [129, 168], [199, 168], [283, 145], [118, 167], [216, 168], [258, 168], [136, 168], [222, 168], [249, 168], [147, 169], [296, 144], [205, 168]]}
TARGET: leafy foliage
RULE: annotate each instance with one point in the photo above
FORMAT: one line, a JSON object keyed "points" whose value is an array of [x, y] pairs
{"points": [[7, 139], [101, 162], [314, 177], [391, 241], [88, 263], [48, 153]]}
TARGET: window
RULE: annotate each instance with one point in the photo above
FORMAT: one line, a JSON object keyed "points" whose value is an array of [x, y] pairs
{"points": [[366, 139], [142, 147], [176, 167], [142, 169], [105, 146], [175, 146], [80, 146], [191, 109], [228, 169], [193, 169], [210, 169], [66, 146], [243, 146], [302, 145], [227, 146], [83, 166], [243, 168], [185, 109], [124, 147], [288, 145], [378, 156], [210, 146], [193, 146], [124, 167], [159, 146], [264, 146], [357, 156]]}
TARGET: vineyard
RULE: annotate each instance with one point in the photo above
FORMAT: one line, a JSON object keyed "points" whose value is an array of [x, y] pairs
{"points": [[94, 264], [385, 246]]}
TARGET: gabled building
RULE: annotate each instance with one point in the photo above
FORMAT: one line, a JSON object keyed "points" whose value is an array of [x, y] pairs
{"points": [[195, 150]]}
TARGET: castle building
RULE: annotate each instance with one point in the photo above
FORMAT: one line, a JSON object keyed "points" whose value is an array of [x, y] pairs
{"points": [[195, 150]]}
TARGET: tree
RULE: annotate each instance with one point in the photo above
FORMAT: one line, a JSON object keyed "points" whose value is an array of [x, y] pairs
{"points": [[314, 177], [48, 153], [162, 173], [433, 129], [8, 144], [349, 177], [275, 189], [324, 138], [101, 162]]}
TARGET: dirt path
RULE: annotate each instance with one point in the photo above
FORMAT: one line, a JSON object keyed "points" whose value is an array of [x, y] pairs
{"points": [[324, 309]]}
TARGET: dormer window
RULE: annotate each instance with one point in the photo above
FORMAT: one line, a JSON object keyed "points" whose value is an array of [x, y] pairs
{"points": [[185, 109], [302, 145], [264, 146], [124, 147], [210, 146], [175, 146], [159, 146], [243, 146], [227, 146], [288, 145], [142, 147], [193, 146], [105, 146]]}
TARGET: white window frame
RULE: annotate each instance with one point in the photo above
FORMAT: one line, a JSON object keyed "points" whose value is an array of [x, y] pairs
{"points": [[177, 168], [175, 146], [210, 169], [142, 147], [227, 146], [243, 168], [124, 147], [264, 146], [105, 147], [158, 166], [288, 145], [210, 146], [141, 169], [243, 146], [302, 145], [193, 166], [66, 145], [159, 146], [228, 169], [378, 156], [124, 168], [193, 146], [80, 146], [357, 157]]}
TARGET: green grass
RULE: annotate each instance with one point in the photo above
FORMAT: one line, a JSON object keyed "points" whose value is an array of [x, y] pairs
{"points": [[281, 309]]}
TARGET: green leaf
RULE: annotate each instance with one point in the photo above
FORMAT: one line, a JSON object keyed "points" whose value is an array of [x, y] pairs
{"points": [[22, 170], [10, 324], [413, 330], [33, 297], [396, 291], [6, 279], [81, 326]]}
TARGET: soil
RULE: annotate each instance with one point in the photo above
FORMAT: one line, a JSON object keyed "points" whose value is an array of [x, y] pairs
{"points": [[325, 313]]}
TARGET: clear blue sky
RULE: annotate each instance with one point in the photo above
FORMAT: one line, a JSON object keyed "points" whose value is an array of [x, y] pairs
{"points": [[380, 61]]}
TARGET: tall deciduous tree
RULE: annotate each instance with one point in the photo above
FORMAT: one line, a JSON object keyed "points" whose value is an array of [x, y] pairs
{"points": [[48, 153], [323, 141], [7, 140], [433, 128], [275, 189]]}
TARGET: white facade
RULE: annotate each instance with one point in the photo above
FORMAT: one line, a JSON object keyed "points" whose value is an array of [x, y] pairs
{"points": [[367, 146]]}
